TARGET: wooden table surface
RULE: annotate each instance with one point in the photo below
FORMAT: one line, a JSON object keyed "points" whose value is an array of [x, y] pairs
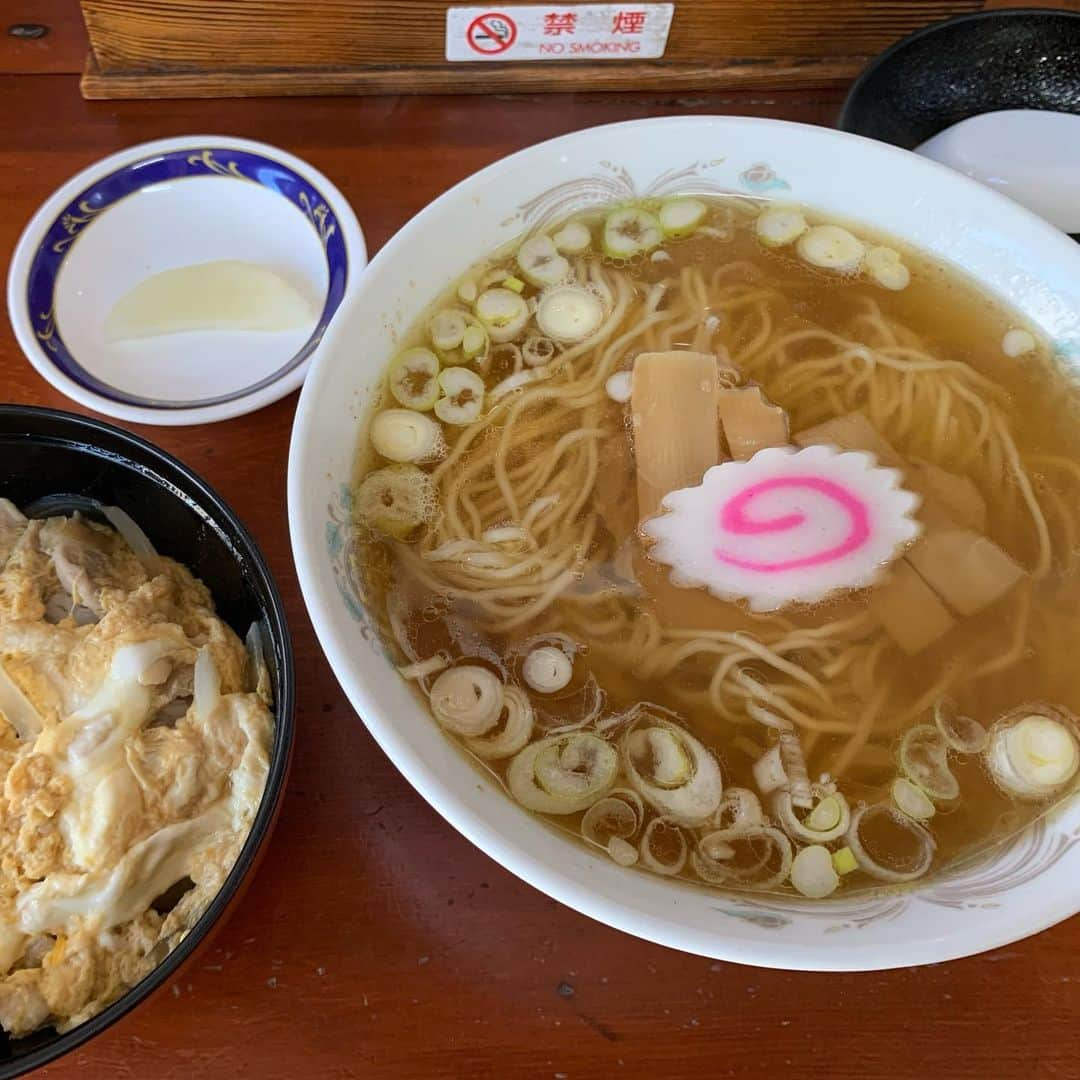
{"points": [[375, 941]]}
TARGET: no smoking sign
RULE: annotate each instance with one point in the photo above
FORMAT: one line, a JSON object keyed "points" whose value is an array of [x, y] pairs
{"points": [[625, 31], [491, 33]]}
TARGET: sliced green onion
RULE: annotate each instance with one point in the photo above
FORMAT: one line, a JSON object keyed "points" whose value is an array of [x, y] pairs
{"points": [[813, 873], [915, 867], [715, 857], [672, 771], [573, 238], [620, 386], [670, 765], [663, 847], [514, 284], [474, 342], [503, 313], [396, 500], [826, 815], [680, 217], [885, 266], [831, 248], [844, 861], [622, 851], [768, 770], [463, 396], [612, 818], [738, 808], [780, 225], [1033, 752], [562, 774], [960, 733], [467, 700], [467, 291], [540, 262], [412, 376], [537, 350], [828, 820], [924, 759], [631, 231], [446, 328], [515, 732], [406, 435], [547, 669], [569, 313], [1018, 342], [910, 799]]}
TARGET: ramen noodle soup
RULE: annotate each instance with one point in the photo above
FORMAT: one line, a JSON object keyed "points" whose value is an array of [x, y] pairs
{"points": [[738, 542]]}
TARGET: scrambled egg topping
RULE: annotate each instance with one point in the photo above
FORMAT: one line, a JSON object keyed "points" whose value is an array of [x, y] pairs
{"points": [[134, 747]]}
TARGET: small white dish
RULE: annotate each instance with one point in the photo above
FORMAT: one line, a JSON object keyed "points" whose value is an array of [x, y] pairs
{"points": [[158, 206], [1031, 155], [1012, 890]]}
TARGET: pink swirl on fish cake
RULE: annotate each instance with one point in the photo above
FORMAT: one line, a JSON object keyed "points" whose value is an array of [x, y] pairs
{"points": [[734, 520]]}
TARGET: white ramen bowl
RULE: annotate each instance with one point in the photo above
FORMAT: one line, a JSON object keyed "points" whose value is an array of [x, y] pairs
{"points": [[1016, 890]]}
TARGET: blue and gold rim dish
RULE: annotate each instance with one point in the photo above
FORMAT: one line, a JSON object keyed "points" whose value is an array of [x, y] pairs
{"points": [[72, 212]]}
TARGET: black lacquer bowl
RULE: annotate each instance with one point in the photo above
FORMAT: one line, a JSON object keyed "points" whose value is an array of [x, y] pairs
{"points": [[45, 452], [1016, 58]]}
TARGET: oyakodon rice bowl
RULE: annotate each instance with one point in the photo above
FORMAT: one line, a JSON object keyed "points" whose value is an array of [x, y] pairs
{"points": [[725, 713]]}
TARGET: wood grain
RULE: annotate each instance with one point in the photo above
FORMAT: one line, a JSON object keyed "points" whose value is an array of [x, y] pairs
{"points": [[464, 79], [206, 48], [375, 942]]}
